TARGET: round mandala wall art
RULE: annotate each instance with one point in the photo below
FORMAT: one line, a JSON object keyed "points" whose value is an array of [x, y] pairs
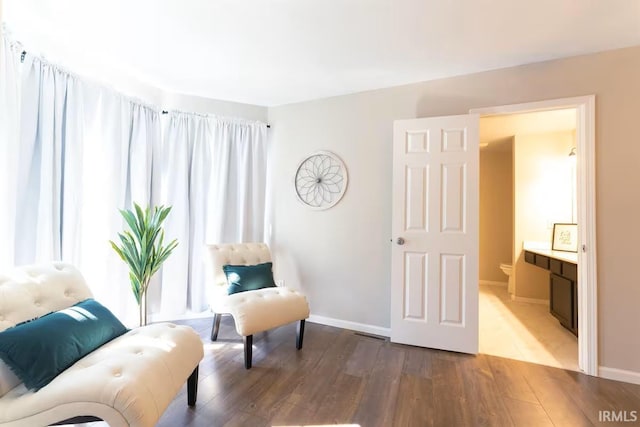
{"points": [[321, 180]]}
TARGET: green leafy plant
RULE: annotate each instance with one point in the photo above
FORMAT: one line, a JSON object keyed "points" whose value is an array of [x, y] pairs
{"points": [[142, 249]]}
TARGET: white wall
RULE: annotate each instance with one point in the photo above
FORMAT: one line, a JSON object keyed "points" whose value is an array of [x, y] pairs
{"points": [[191, 104], [341, 257], [496, 213], [542, 183], [197, 104], [165, 100]]}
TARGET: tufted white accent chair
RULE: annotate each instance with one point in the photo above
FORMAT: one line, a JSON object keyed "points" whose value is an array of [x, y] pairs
{"points": [[129, 381], [252, 311]]}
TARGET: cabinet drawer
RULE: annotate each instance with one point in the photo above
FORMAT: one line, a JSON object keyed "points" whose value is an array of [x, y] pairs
{"points": [[561, 300], [555, 266], [570, 271], [529, 257], [542, 261]]}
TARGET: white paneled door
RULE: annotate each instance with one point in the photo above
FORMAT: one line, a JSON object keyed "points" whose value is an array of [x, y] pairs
{"points": [[434, 268]]}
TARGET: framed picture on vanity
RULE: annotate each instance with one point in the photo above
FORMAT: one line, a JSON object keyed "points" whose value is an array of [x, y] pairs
{"points": [[565, 237]]}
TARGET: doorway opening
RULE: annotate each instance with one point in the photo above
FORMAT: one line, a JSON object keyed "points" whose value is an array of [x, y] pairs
{"points": [[527, 184], [583, 213]]}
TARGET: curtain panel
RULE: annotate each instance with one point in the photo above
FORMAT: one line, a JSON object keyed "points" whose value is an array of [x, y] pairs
{"points": [[49, 160], [239, 179], [9, 144], [120, 139], [184, 171], [73, 153], [213, 174]]}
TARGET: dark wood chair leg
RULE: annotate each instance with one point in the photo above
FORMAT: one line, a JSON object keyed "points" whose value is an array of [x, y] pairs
{"points": [[300, 334], [248, 350], [216, 326], [192, 387]]}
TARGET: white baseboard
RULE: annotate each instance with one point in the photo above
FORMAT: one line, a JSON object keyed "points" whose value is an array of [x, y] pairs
{"points": [[329, 321], [619, 375], [346, 324], [493, 283], [530, 300]]}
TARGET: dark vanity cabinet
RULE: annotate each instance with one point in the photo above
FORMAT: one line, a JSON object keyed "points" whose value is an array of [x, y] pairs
{"points": [[563, 288]]}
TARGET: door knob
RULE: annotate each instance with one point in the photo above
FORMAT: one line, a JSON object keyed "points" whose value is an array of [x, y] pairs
{"points": [[400, 241]]}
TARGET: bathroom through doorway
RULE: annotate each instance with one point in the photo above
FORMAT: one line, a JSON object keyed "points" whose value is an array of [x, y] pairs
{"points": [[527, 184], [585, 300]]}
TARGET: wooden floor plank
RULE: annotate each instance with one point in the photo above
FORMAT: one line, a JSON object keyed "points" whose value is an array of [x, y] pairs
{"points": [[292, 415], [593, 395], [450, 406], [414, 402], [243, 419], [317, 382], [342, 400], [379, 398], [289, 374], [527, 414], [178, 414], [510, 379], [634, 389], [483, 398], [553, 397], [417, 362], [341, 377], [363, 358]]}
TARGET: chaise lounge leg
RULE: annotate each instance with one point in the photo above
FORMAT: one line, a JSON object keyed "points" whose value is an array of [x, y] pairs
{"points": [[248, 350], [216, 326], [300, 334], [192, 387]]}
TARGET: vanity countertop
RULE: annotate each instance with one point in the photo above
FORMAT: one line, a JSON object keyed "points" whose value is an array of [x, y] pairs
{"points": [[543, 249]]}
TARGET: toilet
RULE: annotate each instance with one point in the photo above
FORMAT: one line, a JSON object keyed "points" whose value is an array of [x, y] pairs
{"points": [[507, 269]]}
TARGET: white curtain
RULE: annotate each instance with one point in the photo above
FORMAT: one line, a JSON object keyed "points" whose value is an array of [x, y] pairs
{"points": [[120, 138], [9, 143], [72, 153], [213, 174], [237, 203], [83, 152], [49, 164], [184, 170]]}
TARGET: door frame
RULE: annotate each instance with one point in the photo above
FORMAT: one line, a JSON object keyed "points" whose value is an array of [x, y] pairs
{"points": [[586, 202]]}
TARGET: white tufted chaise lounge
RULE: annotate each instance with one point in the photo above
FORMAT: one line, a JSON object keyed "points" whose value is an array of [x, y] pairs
{"points": [[253, 311], [129, 381]]}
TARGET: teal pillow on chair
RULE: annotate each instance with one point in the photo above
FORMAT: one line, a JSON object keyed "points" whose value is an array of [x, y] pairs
{"points": [[38, 350], [243, 278]]}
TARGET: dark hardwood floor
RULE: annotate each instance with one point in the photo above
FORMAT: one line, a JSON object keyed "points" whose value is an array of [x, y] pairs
{"points": [[340, 377]]}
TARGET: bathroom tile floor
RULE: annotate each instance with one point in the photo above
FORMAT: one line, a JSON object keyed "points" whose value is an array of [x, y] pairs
{"points": [[523, 331]]}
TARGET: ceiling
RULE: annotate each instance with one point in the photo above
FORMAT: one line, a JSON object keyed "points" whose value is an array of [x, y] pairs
{"points": [[496, 132], [284, 51]]}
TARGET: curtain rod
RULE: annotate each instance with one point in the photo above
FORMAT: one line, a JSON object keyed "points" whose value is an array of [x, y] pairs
{"points": [[166, 112], [24, 53]]}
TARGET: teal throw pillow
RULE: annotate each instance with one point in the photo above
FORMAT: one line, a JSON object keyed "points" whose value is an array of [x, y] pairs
{"points": [[243, 278], [40, 349]]}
